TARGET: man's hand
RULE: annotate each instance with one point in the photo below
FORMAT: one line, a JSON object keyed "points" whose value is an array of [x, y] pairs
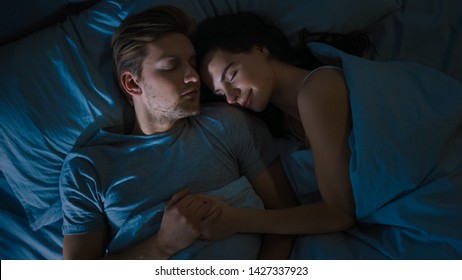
{"points": [[185, 218]]}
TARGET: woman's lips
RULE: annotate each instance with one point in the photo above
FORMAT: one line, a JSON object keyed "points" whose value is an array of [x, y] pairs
{"points": [[248, 100]]}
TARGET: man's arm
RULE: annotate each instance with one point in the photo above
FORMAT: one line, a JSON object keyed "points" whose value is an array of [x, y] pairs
{"points": [[90, 246], [184, 219], [275, 191], [87, 246]]}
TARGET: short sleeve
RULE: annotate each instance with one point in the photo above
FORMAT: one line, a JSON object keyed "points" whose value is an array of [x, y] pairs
{"points": [[80, 196]]}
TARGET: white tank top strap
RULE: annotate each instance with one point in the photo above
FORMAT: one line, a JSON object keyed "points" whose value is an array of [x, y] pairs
{"points": [[321, 67], [292, 130]]}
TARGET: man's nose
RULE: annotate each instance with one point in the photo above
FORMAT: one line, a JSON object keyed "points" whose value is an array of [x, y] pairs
{"points": [[191, 76]]}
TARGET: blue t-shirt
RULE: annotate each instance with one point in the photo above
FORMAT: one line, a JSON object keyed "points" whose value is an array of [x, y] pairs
{"points": [[124, 181]]}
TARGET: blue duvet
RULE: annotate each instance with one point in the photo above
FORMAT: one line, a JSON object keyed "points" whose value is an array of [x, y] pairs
{"points": [[406, 163]]}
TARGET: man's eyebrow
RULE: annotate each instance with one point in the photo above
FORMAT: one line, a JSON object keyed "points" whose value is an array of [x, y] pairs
{"points": [[225, 70], [167, 56]]}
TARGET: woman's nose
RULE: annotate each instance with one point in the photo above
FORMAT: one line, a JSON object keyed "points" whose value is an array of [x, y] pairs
{"points": [[232, 95]]}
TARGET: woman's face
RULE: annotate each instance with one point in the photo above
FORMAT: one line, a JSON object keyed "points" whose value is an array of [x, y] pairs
{"points": [[244, 79]]}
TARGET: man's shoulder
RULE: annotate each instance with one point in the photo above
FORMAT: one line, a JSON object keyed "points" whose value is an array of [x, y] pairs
{"points": [[90, 147], [230, 118], [223, 112]]}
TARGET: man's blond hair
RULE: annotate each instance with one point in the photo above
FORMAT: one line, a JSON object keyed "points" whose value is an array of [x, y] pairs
{"points": [[136, 31]]}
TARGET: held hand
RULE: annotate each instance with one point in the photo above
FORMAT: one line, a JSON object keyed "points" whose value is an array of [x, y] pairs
{"points": [[224, 226], [185, 217]]}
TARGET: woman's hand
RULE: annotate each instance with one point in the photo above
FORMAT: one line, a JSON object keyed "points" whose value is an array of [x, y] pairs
{"points": [[225, 225], [185, 218]]}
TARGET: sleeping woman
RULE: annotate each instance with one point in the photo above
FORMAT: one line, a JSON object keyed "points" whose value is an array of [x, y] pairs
{"points": [[251, 63], [360, 120]]}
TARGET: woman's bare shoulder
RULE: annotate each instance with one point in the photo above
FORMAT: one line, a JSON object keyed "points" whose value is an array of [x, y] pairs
{"points": [[323, 83], [323, 77]]}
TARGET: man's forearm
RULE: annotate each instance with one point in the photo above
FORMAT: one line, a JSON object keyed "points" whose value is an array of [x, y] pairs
{"points": [[149, 249], [276, 247]]}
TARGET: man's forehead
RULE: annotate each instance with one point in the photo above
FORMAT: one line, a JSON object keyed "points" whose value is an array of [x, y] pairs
{"points": [[171, 45]]}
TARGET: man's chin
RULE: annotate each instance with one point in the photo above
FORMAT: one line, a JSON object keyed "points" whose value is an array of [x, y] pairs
{"points": [[195, 113], [191, 109]]}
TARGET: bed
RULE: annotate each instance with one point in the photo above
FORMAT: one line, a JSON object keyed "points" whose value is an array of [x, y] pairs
{"points": [[57, 88]]}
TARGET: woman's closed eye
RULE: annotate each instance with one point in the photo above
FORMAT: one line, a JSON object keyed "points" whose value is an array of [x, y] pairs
{"points": [[232, 76]]}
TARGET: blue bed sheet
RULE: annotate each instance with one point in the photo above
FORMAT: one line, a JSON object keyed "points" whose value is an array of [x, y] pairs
{"points": [[409, 194], [18, 241]]}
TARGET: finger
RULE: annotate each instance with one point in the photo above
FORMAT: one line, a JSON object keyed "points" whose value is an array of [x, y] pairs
{"points": [[197, 209], [214, 215], [203, 210], [204, 196], [210, 198], [177, 197]]}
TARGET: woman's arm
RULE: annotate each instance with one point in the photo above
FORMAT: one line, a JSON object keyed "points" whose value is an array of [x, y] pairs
{"points": [[325, 115]]}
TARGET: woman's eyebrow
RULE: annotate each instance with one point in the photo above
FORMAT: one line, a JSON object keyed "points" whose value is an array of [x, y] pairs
{"points": [[223, 75]]}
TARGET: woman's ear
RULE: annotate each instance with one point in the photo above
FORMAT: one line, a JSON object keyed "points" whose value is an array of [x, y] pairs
{"points": [[262, 49], [130, 84]]}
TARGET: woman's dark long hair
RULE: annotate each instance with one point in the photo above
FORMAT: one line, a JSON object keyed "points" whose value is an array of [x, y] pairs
{"points": [[239, 32]]}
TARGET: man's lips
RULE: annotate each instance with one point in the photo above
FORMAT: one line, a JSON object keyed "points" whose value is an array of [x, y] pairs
{"points": [[190, 93]]}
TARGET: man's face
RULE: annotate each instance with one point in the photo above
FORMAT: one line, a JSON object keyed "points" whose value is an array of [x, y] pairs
{"points": [[169, 81]]}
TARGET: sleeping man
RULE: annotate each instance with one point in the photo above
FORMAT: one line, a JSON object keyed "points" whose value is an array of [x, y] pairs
{"points": [[153, 191]]}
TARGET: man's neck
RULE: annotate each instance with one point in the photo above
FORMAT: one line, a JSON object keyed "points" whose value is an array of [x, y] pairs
{"points": [[155, 127]]}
